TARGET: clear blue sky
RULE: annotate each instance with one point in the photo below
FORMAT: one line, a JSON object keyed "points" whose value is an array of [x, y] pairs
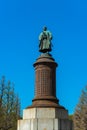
{"points": [[21, 21]]}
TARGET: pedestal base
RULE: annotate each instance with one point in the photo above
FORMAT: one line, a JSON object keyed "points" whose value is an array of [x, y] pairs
{"points": [[45, 119]]}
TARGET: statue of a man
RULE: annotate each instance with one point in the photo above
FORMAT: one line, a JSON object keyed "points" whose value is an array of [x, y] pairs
{"points": [[45, 38]]}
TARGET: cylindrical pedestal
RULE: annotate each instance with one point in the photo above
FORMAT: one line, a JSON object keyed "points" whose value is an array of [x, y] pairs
{"points": [[45, 82]]}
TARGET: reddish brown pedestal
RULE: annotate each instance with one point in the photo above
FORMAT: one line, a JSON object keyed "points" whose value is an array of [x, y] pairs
{"points": [[45, 84]]}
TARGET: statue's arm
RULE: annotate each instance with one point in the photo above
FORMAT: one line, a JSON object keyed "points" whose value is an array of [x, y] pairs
{"points": [[50, 34], [40, 37]]}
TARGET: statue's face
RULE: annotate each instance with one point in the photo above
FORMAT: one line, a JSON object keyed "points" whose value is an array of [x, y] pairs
{"points": [[45, 28]]}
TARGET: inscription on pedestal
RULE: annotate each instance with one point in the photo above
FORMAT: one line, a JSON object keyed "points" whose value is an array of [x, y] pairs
{"points": [[45, 81]]}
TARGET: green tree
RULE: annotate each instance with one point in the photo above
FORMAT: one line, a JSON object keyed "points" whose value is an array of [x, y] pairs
{"points": [[71, 117], [80, 115], [9, 106]]}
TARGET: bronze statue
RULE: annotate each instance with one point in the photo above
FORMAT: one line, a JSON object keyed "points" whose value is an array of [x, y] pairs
{"points": [[45, 38]]}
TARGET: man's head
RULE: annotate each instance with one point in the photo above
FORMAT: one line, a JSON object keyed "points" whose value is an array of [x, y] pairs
{"points": [[45, 28]]}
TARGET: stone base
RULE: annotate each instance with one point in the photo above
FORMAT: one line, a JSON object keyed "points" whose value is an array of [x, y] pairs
{"points": [[45, 119]]}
